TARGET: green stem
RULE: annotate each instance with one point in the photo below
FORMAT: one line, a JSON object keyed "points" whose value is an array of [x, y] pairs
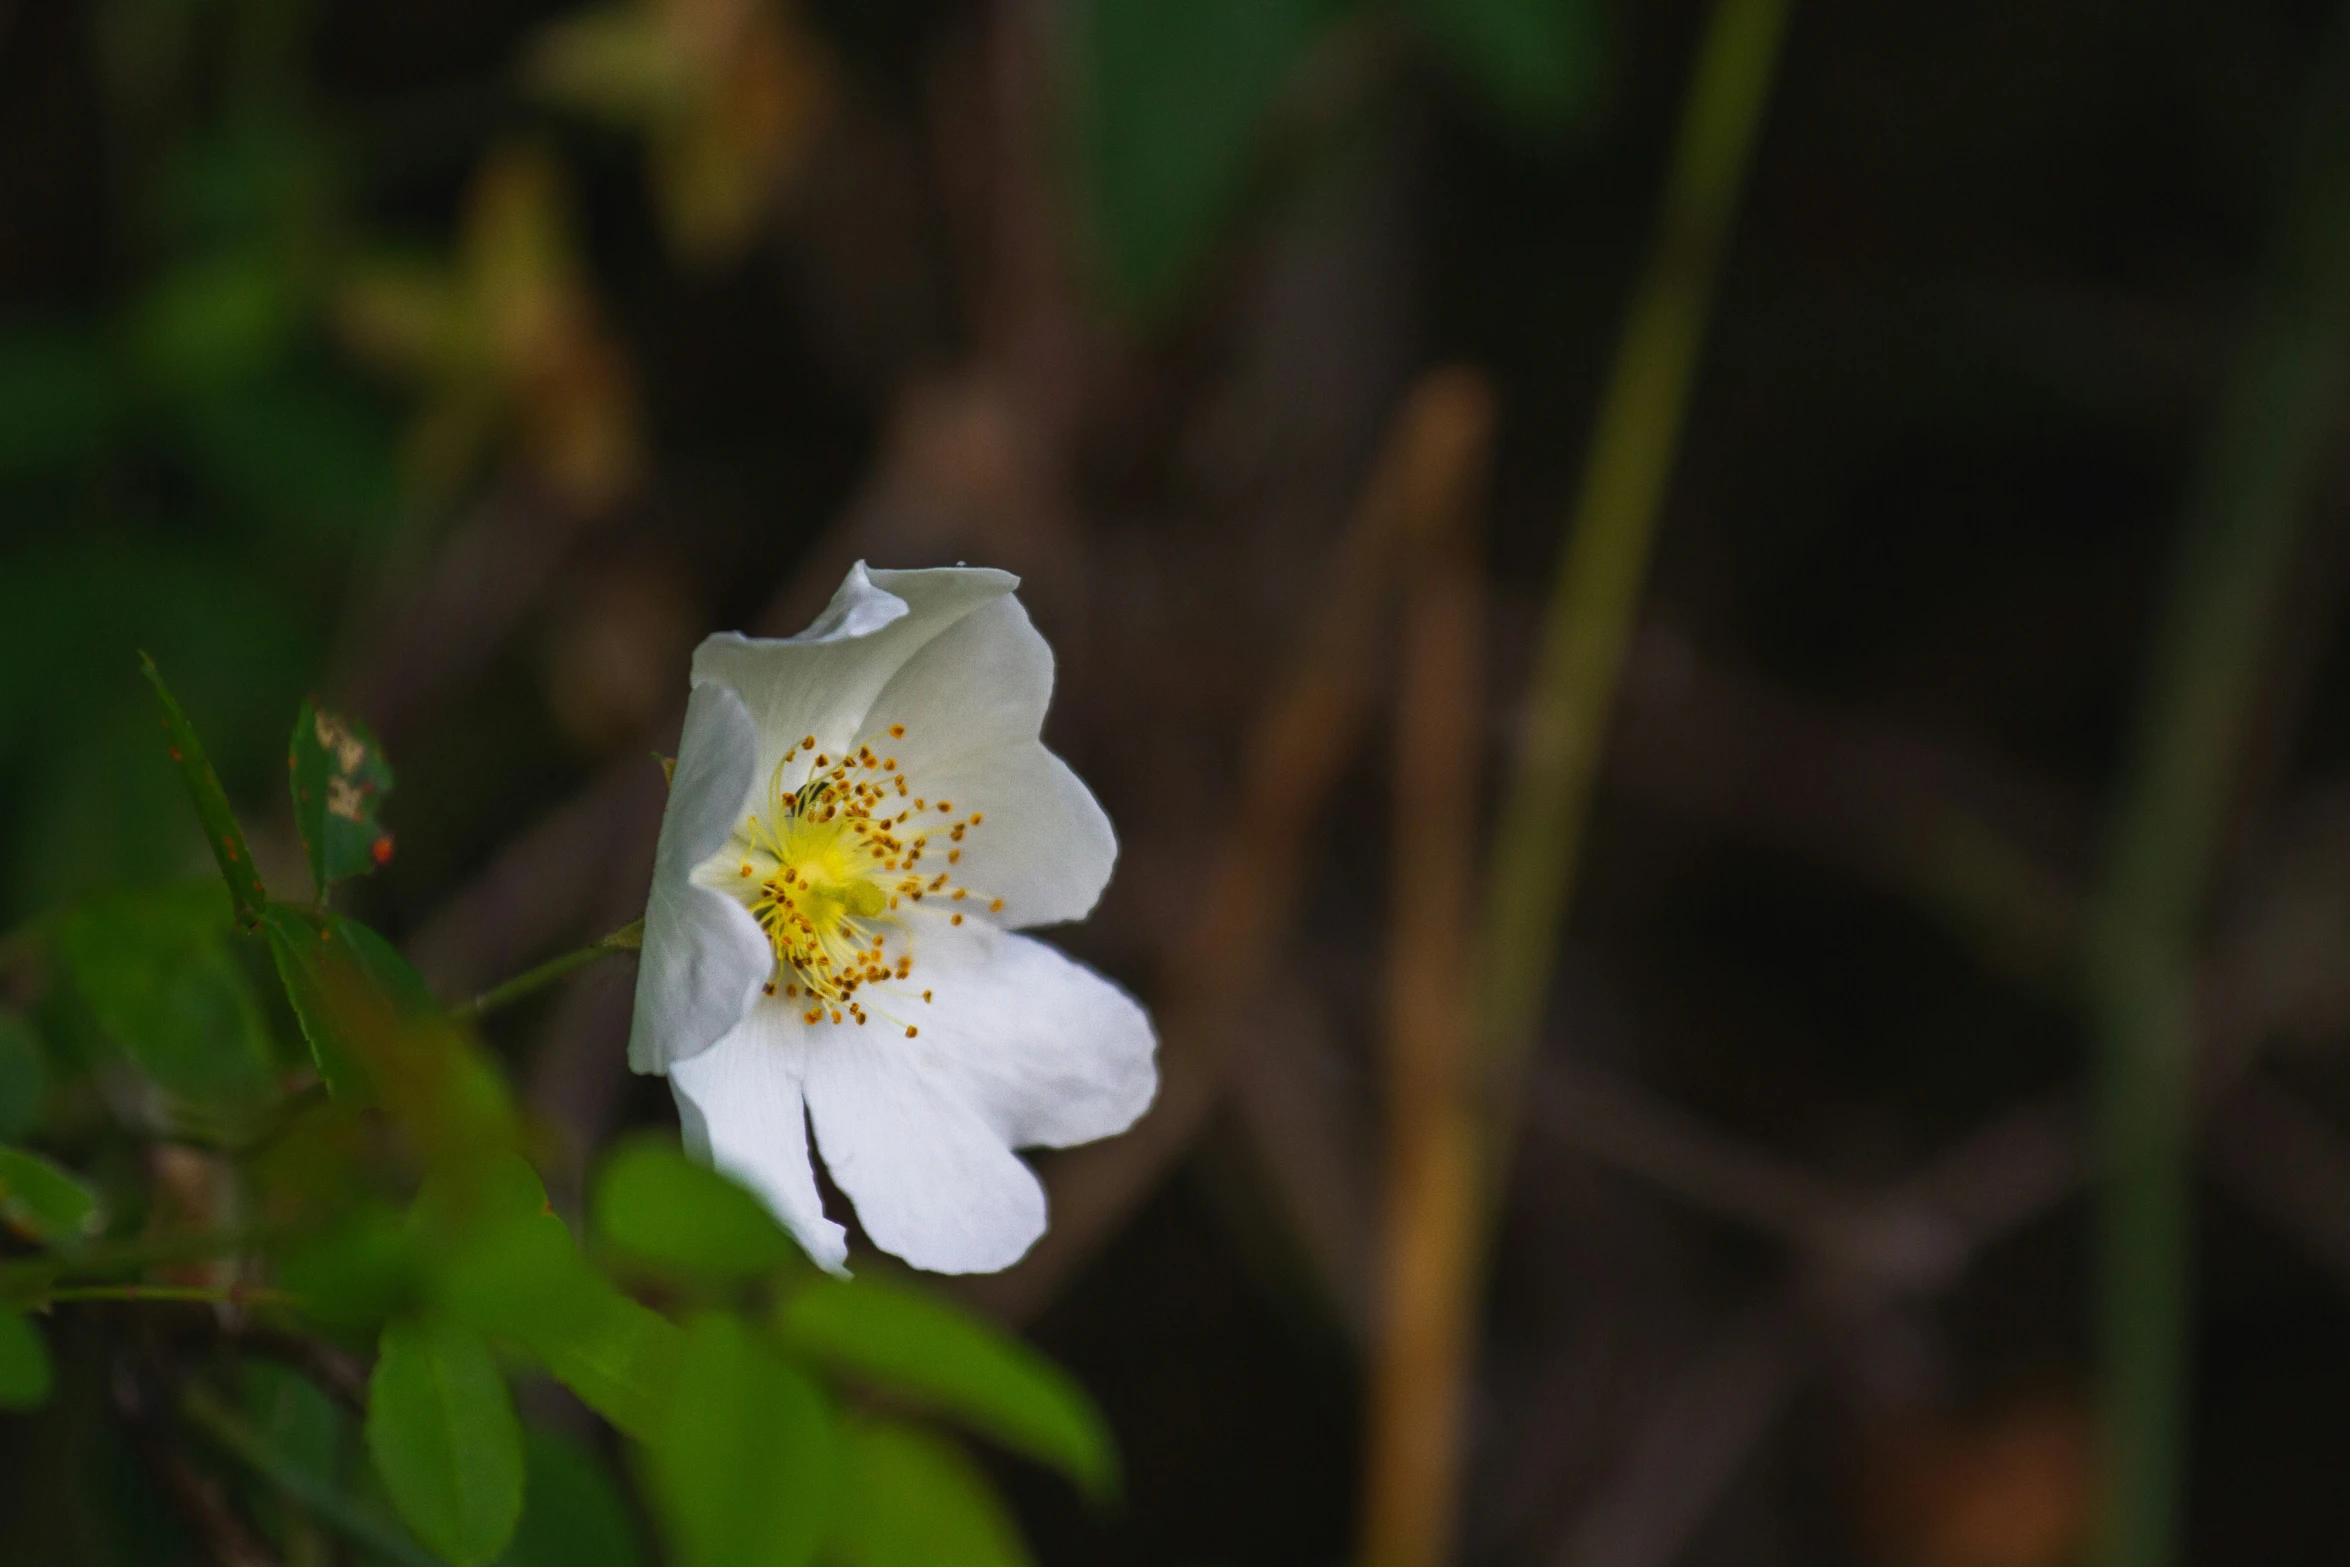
{"points": [[628, 938], [361, 1525], [230, 1295], [1596, 594], [2258, 465]]}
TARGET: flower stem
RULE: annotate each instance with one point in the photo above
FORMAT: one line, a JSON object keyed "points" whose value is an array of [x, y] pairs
{"points": [[1588, 620], [2260, 460], [628, 938]]}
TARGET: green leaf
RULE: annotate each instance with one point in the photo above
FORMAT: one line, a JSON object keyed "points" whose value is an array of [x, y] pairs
{"points": [[364, 1270], [441, 1427], [154, 968], [912, 1499], [509, 1267], [299, 1426], [1172, 103], [379, 1038], [925, 1350], [42, 1202], [58, 400], [659, 1207], [24, 1362], [622, 1358], [24, 1082], [574, 1515], [1536, 61], [743, 1459], [339, 780], [221, 832]]}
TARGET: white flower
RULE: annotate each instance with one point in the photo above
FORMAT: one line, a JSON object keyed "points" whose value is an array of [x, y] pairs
{"points": [[860, 818]]}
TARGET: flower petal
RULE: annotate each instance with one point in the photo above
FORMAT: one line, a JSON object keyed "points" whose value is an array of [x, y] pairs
{"points": [[972, 701], [1018, 1046], [740, 1108], [932, 1183], [704, 957], [1048, 1052], [822, 681]]}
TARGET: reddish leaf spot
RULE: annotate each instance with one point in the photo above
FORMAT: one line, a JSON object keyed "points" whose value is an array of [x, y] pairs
{"points": [[380, 851]]}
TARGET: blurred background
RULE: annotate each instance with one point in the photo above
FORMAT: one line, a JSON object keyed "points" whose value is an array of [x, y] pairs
{"points": [[466, 361]]}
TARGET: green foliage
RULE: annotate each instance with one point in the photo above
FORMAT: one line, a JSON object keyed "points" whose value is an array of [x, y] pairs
{"points": [[154, 970], [24, 1079], [221, 833], [339, 779], [1535, 61], [42, 1202], [911, 1499], [743, 1462], [923, 1350], [24, 1362], [573, 1516], [657, 1207], [442, 1430], [1172, 99]]}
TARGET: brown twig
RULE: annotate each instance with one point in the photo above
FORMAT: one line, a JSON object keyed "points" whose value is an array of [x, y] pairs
{"points": [[1435, 1139], [1308, 728]]}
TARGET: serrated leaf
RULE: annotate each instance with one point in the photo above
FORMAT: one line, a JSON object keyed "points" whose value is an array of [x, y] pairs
{"points": [[572, 1514], [221, 832], [661, 1208], [24, 1079], [743, 1460], [154, 968], [1535, 61], [42, 1202], [442, 1431], [1173, 100], [922, 1349], [339, 778], [24, 1362], [911, 1498]]}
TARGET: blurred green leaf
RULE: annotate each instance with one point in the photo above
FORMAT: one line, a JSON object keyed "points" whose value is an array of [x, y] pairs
{"points": [[573, 1514], [154, 969], [925, 1350], [743, 1461], [58, 399], [339, 779], [24, 1362], [24, 1079], [221, 832], [297, 1423], [441, 1427], [1173, 97], [506, 1265], [1536, 61], [378, 1037], [363, 1270], [299, 453], [912, 1499], [218, 319], [42, 1202], [659, 1207]]}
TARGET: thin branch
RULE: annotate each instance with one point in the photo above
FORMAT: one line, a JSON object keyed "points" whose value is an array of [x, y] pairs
{"points": [[628, 938]]}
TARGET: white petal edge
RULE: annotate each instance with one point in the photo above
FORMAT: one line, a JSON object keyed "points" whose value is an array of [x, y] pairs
{"points": [[704, 957], [1048, 1053], [822, 682], [1019, 1047], [972, 702], [740, 1109]]}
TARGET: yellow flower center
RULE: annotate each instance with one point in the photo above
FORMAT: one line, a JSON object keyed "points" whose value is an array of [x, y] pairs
{"points": [[827, 866]]}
